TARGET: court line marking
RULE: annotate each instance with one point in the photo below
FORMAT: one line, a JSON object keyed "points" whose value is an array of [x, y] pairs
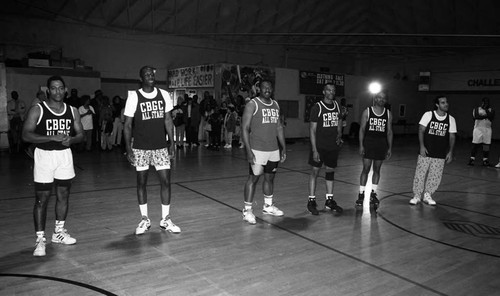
{"points": [[322, 245], [71, 282], [431, 239]]}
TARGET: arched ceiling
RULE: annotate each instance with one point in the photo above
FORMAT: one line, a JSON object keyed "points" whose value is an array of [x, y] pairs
{"points": [[383, 28]]}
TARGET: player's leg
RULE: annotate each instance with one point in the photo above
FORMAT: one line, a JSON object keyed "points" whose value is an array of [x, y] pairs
{"points": [[313, 177], [486, 154], [271, 160], [42, 195], [330, 203], [161, 161], [268, 190], [311, 202], [486, 146], [477, 139], [61, 235], [249, 192], [423, 164], [363, 179], [63, 174], [436, 168], [377, 164], [143, 159], [330, 158]]}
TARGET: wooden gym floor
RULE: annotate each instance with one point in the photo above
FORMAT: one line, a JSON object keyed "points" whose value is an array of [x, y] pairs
{"points": [[450, 249]]}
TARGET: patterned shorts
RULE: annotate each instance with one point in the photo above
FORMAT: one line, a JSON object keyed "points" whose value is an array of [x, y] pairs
{"points": [[158, 158]]}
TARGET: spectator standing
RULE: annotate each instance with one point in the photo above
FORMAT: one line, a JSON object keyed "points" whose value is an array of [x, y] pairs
{"points": [[87, 114], [481, 135], [180, 126], [16, 109], [116, 135], [230, 125]]}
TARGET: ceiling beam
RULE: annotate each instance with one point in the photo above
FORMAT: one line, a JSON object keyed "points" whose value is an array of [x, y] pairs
{"points": [[147, 12], [60, 9], [124, 8], [97, 3]]}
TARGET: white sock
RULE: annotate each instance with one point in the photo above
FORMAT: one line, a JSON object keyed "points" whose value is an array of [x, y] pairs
{"points": [[165, 211], [248, 205], [329, 196], [374, 187], [40, 234], [312, 196], [144, 210], [362, 189], [268, 199], [59, 226]]}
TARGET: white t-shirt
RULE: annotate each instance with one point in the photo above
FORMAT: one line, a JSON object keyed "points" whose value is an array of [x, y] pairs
{"points": [[131, 104], [87, 119], [426, 118]]}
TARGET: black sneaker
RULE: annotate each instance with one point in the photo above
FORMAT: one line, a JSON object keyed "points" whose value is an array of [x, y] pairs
{"points": [[331, 205], [471, 162], [361, 198], [312, 206], [373, 199], [486, 162]]}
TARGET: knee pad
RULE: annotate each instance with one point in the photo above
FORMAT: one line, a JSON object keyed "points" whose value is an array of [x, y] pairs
{"points": [[271, 167], [64, 183], [329, 176], [43, 186]]}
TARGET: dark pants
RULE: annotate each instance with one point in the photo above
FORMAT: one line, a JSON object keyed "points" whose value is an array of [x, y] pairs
{"points": [[16, 128], [191, 132]]}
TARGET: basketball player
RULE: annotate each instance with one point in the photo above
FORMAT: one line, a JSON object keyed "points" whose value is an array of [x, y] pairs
{"points": [[325, 131], [375, 145], [149, 109], [52, 126], [481, 135], [262, 129], [436, 135]]}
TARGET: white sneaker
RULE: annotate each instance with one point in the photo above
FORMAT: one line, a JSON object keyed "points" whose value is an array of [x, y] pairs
{"points": [[272, 210], [39, 247], [63, 237], [498, 165], [415, 200], [143, 226], [249, 216], [228, 146], [168, 225], [428, 199]]}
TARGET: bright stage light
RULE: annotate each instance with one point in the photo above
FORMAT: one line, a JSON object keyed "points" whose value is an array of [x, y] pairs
{"points": [[374, 88]]}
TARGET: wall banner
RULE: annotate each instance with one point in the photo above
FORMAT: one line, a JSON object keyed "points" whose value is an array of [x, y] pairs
{"points": [[196, 76], [466, 81], [312, 83]]}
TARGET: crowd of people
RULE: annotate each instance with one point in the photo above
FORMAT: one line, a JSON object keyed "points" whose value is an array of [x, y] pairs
{"points": [[150, 129], [206, 121]]}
